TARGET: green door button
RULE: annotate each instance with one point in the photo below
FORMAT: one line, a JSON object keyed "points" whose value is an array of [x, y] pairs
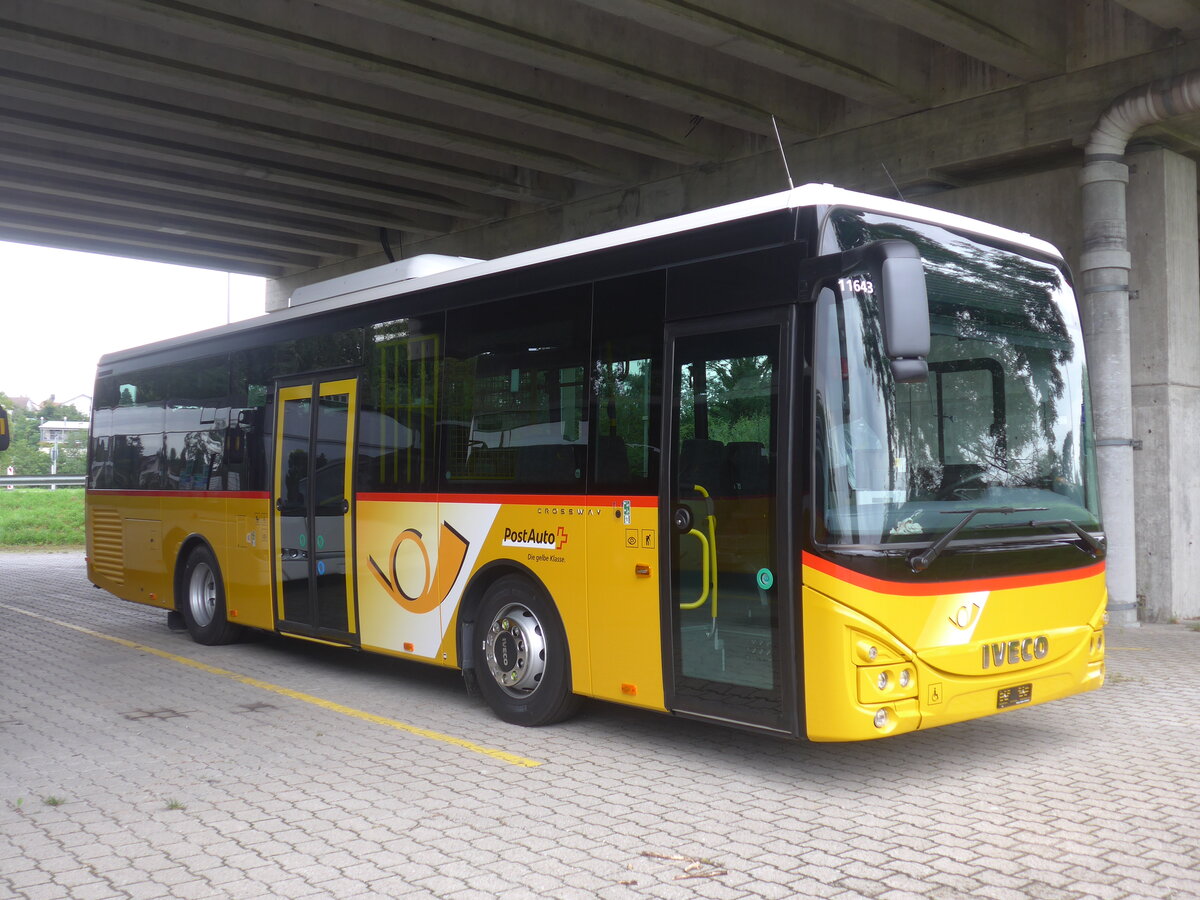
{"points": [[766, 579]]}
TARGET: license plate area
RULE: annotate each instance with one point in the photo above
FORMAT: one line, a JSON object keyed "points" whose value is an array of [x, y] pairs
{"points": [[1014, 696]]}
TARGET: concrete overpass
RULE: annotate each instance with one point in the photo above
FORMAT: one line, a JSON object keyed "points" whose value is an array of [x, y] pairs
{"points": [[300, 140]]}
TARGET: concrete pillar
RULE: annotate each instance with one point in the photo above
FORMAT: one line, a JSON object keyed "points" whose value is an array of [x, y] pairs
{"points": [[1165, 343]]}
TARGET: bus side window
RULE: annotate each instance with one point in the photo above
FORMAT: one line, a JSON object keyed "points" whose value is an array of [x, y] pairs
{"points": [[137, 424], [626, 383], [515, 416], [398, 402], [251, 388], [99, 447], [104, 398], [197, 413]]}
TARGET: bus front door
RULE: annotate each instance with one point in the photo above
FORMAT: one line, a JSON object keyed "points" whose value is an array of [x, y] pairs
{"points": [[313, 490], [730, 646]]}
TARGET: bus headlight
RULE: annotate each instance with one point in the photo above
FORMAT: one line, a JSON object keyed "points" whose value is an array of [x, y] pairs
{"points": [[881, 718], [883, 684]]}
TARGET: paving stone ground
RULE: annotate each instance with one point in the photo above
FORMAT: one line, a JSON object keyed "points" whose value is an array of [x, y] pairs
{"points": [[129, 774]]}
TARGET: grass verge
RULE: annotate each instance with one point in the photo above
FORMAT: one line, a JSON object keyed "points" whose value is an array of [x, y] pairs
{"points": [[40, 518]]}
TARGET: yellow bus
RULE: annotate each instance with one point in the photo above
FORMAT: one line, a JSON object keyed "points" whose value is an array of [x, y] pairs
{"points": [[817, 464]]}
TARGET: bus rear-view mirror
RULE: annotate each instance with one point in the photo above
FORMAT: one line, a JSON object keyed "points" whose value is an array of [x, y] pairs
{"points": [[893, 272]]}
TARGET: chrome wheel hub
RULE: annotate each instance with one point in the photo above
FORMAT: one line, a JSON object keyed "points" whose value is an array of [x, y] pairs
{"points": [[515, 649], [202, 595]]}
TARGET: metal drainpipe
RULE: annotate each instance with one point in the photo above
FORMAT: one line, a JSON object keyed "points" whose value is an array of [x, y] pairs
{"points": [[1104, 281]]}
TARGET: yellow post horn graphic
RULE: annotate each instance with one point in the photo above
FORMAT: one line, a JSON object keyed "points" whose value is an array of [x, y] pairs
{"points": [[452, 553]]}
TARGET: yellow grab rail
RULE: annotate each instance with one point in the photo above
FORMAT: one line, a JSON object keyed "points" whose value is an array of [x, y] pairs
{"points": [[708, 556], [696, 604]]}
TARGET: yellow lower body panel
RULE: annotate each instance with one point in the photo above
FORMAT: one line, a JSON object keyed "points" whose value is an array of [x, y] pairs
{"points": [[134, 541], [944, 658], [419, 559]]}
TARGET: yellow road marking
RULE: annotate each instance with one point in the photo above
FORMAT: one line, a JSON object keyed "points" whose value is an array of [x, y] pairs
{"points": [[501, 755]]}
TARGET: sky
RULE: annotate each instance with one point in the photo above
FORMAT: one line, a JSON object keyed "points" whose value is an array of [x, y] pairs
{"points": [[60, 310]]}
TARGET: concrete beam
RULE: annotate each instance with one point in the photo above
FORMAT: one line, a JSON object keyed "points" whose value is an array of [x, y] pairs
{"points": [[87, 99], [161, 71], [1179, 134], [166, 202], [516, 93], [1181, 15], [1017, 36], [175, 256], [588, 45], [965, 136], [134, 241], [105, 167], [775, 39], [105, 216], [1051, 116], [142, 147]]}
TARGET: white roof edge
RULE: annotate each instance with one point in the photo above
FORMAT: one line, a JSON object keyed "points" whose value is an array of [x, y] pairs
{"points": [[909, 210], [805, 195], [742, 209]]}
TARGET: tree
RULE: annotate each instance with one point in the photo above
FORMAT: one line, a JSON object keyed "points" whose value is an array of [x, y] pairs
{"points": [[23, 453], [60, 412]]}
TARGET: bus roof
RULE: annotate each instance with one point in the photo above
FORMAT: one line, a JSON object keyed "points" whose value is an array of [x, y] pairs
{"points": [[405, 276]]}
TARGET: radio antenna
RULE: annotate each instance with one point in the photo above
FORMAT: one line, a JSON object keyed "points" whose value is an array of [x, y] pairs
{"points": [[779, 141], [893, 181]]}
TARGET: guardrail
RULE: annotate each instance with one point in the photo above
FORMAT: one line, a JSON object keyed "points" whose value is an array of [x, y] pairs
{"points": [[53, 481]]}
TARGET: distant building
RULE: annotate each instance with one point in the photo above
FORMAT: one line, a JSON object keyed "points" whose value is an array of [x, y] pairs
{"points": [[63, 432]]}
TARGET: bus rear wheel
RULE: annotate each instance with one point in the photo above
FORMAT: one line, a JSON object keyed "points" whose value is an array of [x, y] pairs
{"points": [[522, 663], [202, 600]]}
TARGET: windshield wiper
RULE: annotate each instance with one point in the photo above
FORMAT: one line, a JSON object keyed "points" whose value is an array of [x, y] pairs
{"points": [[922, 561], [1095, 545]]}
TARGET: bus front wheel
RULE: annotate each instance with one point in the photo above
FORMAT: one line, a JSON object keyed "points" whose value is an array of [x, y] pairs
{"points": [[203, 600], [522, 662]]}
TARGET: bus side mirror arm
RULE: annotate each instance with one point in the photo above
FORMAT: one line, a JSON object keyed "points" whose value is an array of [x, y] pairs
{"points": [[896, 277]]}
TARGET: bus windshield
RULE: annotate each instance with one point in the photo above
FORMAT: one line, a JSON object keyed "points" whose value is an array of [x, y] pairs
{"points": [[1001, 421]]}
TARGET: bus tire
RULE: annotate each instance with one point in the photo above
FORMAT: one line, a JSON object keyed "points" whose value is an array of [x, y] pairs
{"points": [[522, 661], [203, 600]]}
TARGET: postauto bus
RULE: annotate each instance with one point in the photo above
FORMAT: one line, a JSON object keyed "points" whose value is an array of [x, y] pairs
{"points": [[817, 464]]}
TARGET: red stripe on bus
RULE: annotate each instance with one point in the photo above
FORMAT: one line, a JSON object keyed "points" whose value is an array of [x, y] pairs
{"points": [[910, 589], [227, 495], [575, 500]]}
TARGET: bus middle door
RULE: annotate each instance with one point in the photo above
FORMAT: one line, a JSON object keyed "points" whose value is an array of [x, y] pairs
{"points": [[312, 494]]}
